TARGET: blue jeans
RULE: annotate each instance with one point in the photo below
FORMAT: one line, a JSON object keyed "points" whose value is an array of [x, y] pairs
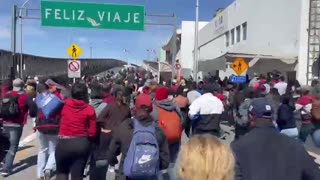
{"points": [[174, 151], [316, 138], [46, 158], [14, 134], [292, 132]]}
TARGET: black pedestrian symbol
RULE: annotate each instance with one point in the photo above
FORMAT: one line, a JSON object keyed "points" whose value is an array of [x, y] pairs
{"points": [[74, 51], [239, 66]]}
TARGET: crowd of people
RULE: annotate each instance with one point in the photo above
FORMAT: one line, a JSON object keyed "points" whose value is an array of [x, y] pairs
{"points": [[139, 124]]}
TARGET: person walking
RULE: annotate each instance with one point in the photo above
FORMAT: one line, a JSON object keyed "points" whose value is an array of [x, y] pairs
{"points": [[304, 106], [98, 160], [123, 142], [48, 128], [76, 134], [286, 121], [206, 112], [15, 119], [168, 117], [265, 154]]}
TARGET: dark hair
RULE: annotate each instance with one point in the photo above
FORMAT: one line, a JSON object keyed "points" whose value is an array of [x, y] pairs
{"points": [[107, 88], [282, 78], [96, 91], [285, 99], [193, 86], [120, 90], [249, 93], [274, 91], [314, 82], [180, 90], [79, 91]]}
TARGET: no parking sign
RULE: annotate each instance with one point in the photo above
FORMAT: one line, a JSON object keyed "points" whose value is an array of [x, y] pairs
{"points": [[74, 69]]}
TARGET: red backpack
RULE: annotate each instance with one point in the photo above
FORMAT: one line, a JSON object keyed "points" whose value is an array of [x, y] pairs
{"points": [[315, 110], [169, 122]]}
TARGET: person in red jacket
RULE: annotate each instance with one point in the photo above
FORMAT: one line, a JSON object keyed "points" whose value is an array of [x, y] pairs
{"points": [[77, 131], [13, 127]]}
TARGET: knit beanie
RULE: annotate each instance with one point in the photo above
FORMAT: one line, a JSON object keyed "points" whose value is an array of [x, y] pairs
{"points": [[161, 94]]}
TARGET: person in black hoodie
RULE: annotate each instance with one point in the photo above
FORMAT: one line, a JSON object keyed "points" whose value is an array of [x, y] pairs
{"points": [[122, 136], [286, 122]]}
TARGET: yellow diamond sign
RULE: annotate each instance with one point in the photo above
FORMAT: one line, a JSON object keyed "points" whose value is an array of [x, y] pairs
{"points": [[239, 66], [74, 51]]}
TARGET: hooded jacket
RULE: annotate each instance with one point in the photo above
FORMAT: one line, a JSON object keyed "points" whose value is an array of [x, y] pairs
{"points": [[78, 119], [167, 105], [121, 141]]}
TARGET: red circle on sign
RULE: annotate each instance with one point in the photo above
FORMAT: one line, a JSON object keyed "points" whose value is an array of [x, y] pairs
{"points": [[74, 66], [177, 66]]}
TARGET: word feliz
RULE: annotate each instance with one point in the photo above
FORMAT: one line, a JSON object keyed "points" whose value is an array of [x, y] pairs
{"points": [[79, 15]]}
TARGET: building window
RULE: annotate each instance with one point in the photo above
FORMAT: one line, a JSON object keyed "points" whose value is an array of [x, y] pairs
{"points": [[227, 39], [244, 31], [238, 29], [232, 36]]}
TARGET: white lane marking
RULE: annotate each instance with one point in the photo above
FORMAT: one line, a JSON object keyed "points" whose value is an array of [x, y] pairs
{"points": [[317, 160]]}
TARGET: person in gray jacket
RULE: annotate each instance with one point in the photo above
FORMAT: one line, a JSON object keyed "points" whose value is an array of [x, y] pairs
{"points": [[162, 101], [98, 162]]}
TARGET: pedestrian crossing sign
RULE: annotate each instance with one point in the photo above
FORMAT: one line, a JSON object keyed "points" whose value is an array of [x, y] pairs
{"points": [[74, 51], [239, 66]]}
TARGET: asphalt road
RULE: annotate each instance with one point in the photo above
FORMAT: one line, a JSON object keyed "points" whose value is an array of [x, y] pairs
{"points": [[26, 158]]}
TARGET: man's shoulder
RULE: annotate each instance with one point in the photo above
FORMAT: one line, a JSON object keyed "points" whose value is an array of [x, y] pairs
{"points": [[253, 139]]}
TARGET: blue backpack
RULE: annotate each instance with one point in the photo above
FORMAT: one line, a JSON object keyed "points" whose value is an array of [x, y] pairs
{"points": [[48, 103], [142, 160]]}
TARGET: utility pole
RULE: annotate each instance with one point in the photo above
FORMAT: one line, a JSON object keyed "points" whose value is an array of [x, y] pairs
{"points": [[196, 41], [13, 40]]}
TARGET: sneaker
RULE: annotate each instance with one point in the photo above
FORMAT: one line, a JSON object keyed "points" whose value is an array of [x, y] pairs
{"points": [[5, 173], [47, 175], [111, 169]]}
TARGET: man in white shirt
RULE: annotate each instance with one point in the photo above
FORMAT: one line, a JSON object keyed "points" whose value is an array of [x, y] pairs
{"points": [[281, 86], [206, 112]]}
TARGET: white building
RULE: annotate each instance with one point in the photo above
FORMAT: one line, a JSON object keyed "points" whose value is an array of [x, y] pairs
{"points": [[185, 46], [265, 33]]}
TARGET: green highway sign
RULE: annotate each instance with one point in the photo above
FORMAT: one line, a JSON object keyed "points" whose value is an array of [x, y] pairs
{"points": [[92, 15]]}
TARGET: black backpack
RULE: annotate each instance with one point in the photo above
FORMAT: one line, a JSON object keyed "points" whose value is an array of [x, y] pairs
{"points": [[10, 108]]}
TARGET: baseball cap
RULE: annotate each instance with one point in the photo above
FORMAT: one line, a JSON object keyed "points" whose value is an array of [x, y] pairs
{"points": [[17, 84], [261, 108], [143, 100]]}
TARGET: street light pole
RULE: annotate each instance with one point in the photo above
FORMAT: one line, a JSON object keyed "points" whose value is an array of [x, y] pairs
{"points": [[21, 64], [196, 41]]}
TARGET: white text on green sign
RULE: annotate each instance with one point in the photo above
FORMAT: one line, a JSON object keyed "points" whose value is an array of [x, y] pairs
{"points": [[91, 15]]}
